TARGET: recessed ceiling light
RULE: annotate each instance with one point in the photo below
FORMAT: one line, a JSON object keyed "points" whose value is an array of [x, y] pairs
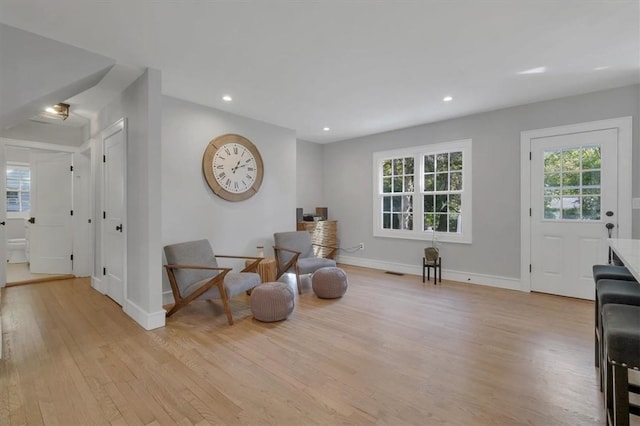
{"points": [[326, 129], [447, 98], [227, 98], [538, 70], [601, 68]]}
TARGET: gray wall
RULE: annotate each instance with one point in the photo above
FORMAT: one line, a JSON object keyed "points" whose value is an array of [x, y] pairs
{"points": [[495, 250], [310, 176], [140, 104], [190, 210]]}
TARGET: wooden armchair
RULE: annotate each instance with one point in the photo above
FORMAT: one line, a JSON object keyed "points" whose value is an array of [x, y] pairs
{"points": [[294, 252], [194, 274]]}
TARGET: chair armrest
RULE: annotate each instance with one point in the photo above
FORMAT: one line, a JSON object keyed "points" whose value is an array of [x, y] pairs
{"points": [[331, 254], [253, 266], [282, 268], [211, 268]]}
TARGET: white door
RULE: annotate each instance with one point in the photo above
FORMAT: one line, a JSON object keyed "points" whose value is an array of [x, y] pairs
{"points": [[113, 223], [50, 231], [574, 196]]}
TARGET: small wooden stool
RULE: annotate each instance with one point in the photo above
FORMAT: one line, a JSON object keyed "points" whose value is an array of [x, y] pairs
{"points": [[266, 269]]}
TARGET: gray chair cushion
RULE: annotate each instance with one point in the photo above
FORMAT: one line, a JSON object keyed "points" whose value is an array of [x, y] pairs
{"points": [[617, 291], [308, 265], [612, 272], [621, 330], [299, 241]]}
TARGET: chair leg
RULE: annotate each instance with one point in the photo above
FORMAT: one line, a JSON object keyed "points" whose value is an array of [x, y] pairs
{"points": [[440, 268], [225, 302], [423, 268], [596, 339], [620, 396]]}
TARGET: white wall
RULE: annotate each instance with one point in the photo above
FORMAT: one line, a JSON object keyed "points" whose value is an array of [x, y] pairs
{"points": [[309, 176], [140, 104], [190, 210], [495, 251]]}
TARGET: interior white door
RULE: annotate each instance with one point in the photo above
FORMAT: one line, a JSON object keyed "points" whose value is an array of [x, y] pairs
{"points": [[50, 233], [573, 197], [113, 224]]}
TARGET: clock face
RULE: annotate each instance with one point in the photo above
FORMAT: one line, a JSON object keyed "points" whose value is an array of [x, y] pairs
{"points": [[232, 167]]}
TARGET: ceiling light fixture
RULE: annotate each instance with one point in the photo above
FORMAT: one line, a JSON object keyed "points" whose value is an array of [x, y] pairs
{"points": [[60, 110], [326, 129], [601, 68], [538, 70], [447, 98], [227, 98]]}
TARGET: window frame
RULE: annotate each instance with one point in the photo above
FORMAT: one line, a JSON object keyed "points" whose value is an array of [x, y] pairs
{"points": [[418, 153], [19, 214]]}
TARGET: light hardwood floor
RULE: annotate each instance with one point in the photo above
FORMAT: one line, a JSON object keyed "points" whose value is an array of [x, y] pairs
{"points": [[391, 351]]}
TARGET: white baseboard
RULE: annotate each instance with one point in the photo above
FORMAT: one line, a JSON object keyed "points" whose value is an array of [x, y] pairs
{"points": [[148, 320], [98, 285], [460, 276]]}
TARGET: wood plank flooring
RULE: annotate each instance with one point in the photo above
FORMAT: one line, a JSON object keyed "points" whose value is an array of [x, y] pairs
{"points": [[391, 351]]}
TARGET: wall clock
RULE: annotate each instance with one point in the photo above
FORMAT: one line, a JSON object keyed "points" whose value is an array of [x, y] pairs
{"points": [[233, 167]]}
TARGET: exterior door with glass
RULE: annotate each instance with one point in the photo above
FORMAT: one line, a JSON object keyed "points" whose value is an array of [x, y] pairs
{"points": [[573, 197]]}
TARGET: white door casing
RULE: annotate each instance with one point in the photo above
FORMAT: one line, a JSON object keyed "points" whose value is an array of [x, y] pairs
{"points": [[114, 211], [560, 253], [51, 234]]}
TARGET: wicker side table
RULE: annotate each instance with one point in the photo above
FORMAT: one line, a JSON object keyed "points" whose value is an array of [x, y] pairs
{"points": [[266, 269]]}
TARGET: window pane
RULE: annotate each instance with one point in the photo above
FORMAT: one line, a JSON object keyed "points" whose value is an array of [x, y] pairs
{"points": [[429, 221], [571, 191], [397, 166], [407, 222], [552, 192], [13, 184], [396, 204], [397, 184], [552, 161], [386, 168], [552, 179], [591, 157], [408, 184], [442, 181], [441, 203], [591, 208], [407, 203], [570, 207], [570, 179], [442, 162], [441, 222], [591, 178], [429, 182], [386, 184], [456, 160], [453, 222], [570, 160], [386, 221], [456, 181], [397, 220], [591, 191], [552, 207], [408, 166], [429, 163], [428, 204], [454, 202], [386, 204]]}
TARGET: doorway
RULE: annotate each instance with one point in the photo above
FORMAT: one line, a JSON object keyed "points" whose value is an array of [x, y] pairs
{"points": [[39, 211], [576, 187]]}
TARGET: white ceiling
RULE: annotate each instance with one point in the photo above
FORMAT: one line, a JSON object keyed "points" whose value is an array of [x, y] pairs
{"points": [[358, 67]]}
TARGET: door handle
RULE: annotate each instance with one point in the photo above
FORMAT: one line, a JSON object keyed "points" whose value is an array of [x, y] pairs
{"points": [[119, 228], [32, 220], [3, 223]]}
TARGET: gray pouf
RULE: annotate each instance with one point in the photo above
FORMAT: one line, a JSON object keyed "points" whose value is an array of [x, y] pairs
{"points": [[271, 302], [329, 283]]}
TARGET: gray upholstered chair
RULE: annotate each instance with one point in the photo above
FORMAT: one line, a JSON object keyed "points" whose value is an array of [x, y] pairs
{"points": [[194, 274], [295, 253]]}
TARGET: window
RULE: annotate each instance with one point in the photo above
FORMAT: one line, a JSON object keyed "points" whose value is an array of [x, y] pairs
{"points": [[18, 187], [572, 184], [424, 192]]}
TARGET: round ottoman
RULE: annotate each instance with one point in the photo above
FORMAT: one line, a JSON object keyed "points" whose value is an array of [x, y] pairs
{"points": [[271, 302], [329, 282]]}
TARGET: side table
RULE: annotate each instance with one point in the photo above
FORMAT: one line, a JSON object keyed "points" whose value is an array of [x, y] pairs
{"points": [[266, 269]]}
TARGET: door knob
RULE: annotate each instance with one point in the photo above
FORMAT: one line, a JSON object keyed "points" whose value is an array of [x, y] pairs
{"points": [[609, 213], [119, 228], [3, 223], [32, 220]]}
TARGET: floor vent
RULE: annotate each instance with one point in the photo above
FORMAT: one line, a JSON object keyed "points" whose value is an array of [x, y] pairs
{"points": [[394, 273]]}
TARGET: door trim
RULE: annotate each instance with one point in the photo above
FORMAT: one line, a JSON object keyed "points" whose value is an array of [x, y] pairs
{"points": [[624, 127]]}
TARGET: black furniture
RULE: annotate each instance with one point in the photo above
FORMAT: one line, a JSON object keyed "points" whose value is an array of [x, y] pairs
{"points": [[621, 336], [433, 260]]}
